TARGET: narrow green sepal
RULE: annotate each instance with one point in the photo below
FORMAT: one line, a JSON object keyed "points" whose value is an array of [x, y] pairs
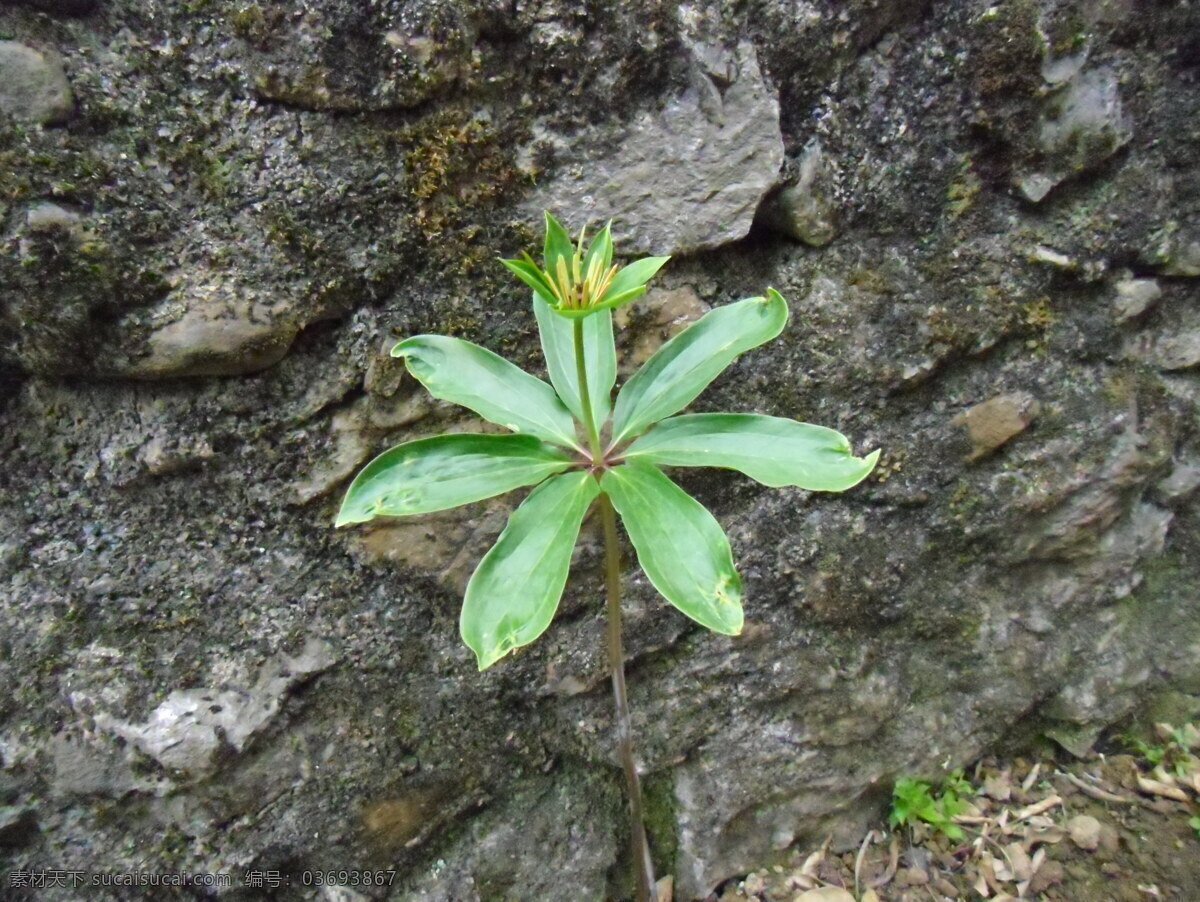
{"points": [[558, 244], [635, 275], [601, 247], [528, 272]]}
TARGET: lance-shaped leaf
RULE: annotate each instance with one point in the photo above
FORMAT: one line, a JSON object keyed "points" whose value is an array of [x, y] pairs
{"points": [[773, 450], [685, 365], [513, 594], [599, 352], [433, 474], [464, 373], [679, 544]]}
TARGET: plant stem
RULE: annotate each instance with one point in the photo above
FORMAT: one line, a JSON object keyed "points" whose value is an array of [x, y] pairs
{"points": [[585, 397], [643, 868]]}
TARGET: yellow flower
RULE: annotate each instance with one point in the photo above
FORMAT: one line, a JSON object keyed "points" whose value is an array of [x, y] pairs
{"points": [[575, 282]]}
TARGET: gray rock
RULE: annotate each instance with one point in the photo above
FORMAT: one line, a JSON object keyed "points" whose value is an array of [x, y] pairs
{"points": [[1169, 351], [682, 179], [87, 768], [186, 731], [1177, 253], [1035, 186], [33, 86], [218, 329], [1085, 124], [1082, 125], [50, 217], [1134, 297], [1084, 831], [807, 210], [1181, 482], [358, 59]]}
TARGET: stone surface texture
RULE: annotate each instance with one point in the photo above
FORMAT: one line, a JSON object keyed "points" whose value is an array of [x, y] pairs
{"points": [[202, 268], [683, 178], [33, 87]]}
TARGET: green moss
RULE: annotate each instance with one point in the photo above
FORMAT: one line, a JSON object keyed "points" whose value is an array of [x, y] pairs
{"points": [[661, 819], [961, 193], [249, 22], [458, 165], [1068, 34], [1006, 63]]}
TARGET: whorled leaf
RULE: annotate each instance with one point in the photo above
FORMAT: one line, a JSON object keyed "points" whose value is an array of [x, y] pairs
{"points": [[773, 450], [599, 352], [683, 367], [513, 594], [433, 474], [679, 544], [464, 373]]}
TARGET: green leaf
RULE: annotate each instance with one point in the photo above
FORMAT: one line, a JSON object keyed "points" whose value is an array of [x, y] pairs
{"points": [[685, 365], [773, 450], [464, 373], [679, 544], [635, 275], [514, 592], [433, 474], [599, 352], [558, 244], [528, 272]]}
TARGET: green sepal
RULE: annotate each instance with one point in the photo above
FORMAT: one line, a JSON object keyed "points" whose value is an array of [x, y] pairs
{"points": [[558, 244], [773, 450], [679, 544], [527, 271], [513, 594], [635, 275], [608, 304], [433, 474], [684, 366], [464, 373], [601, 247]]}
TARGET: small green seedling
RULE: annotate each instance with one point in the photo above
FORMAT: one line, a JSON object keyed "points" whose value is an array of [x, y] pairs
{"points": [[1194, 823], [915, 801], [579, 447], [1175, 754]]}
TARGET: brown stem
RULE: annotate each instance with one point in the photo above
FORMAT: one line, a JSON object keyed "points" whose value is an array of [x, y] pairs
{"points": [[643, 868]]}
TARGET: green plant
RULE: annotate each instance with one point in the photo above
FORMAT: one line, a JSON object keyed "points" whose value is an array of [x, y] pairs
{"points": [[916, 801], [1194, 823], [1173, 753], [579, 448]]}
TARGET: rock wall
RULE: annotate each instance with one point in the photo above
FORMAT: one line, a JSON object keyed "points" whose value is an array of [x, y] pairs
{"points": [[218, 214]]}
